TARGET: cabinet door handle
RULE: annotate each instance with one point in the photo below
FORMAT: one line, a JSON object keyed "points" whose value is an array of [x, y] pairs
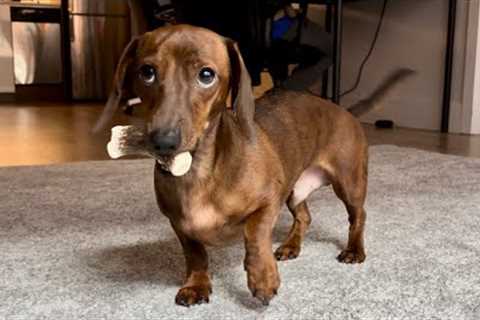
{"points": [[27, 11], [72, 29]]}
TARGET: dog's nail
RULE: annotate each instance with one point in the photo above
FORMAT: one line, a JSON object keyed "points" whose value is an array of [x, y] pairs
{"points": [[265, 301], [180, 301]]}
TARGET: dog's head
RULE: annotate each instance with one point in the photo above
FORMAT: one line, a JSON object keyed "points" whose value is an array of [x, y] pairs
{"points": [[183, 76]]}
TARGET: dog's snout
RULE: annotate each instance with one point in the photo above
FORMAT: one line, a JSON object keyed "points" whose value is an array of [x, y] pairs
{"points": [[165, 142]]}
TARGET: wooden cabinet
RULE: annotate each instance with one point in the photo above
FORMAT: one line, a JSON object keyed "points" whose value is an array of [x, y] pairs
{"points": [[7, 79]]}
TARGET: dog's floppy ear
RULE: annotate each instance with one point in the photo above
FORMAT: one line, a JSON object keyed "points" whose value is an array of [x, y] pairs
{"points": [[116, 95], [241, 90]]}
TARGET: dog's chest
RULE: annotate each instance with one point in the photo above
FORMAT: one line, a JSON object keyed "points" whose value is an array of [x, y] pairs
{"points": [[203, 221]]}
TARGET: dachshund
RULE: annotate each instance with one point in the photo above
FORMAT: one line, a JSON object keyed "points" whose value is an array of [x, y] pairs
{"points": [[249, 157]]}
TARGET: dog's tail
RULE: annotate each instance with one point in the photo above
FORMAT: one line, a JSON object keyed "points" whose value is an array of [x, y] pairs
{"points": [[376, 98]]}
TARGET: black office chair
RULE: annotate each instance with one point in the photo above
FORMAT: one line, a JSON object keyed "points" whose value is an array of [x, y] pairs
{"points": [[283, 45]]}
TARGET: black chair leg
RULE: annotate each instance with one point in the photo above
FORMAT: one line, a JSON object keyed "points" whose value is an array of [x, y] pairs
{"points": [[337, 50], [326, 73], [447, 89], [301, 19]]}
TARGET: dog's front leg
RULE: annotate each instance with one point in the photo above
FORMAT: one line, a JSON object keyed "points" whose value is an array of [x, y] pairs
{"points": [[260, 264], [197, 286]]}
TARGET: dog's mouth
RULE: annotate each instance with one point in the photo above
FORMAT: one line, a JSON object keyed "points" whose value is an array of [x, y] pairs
{"points": [[177, 165], [168, 158], [186, 152], [130, 140]]}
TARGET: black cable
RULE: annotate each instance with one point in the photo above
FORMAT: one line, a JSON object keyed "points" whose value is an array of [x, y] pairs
{"points": [[370, 51]]}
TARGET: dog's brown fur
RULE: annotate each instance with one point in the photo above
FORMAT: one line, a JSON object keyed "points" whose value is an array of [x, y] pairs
{"points": [[247, 162]]}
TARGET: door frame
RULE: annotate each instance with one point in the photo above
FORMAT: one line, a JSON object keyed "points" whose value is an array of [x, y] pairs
{"points": [[465, 113]]}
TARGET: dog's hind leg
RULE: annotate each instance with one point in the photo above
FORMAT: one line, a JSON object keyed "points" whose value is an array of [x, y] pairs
{"points": [[352, 190], [290, 249], [311, 179]]}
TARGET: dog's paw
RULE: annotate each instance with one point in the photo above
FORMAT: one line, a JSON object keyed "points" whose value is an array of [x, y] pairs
{"points": [[264, 295], [188, 296], [350, 256], [287, 252], [263, 282]]}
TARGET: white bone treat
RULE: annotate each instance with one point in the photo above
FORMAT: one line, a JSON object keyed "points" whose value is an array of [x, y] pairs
{"points": [[128, 140], [125, 140], [181, 164]]}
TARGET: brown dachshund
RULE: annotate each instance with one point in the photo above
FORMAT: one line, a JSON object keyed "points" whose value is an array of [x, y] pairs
{"points": [[247, 161]]}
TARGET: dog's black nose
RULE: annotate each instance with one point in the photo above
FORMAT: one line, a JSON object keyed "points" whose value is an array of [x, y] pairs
{"points": [[165, 142]]}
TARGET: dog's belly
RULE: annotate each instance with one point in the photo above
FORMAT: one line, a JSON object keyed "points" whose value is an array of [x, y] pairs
{"points": [[311, 179], [205, 224]]}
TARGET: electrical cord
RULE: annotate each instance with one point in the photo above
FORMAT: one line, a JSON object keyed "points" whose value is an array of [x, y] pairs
{"points": [[367, 57], [370, 51]]}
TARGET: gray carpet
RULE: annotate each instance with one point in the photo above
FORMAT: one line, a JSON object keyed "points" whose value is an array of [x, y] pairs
{"points": [[85, 241]]}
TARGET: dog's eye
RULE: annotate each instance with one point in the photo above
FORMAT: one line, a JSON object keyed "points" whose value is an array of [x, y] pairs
{"points": [[147, 74], [206, 77]]}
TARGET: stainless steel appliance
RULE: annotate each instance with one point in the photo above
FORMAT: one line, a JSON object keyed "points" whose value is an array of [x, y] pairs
{"points": [[99, 31], [36, 45]]}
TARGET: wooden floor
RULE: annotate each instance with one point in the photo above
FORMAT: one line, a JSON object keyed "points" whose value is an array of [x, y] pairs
{"points": [[54, 133]]}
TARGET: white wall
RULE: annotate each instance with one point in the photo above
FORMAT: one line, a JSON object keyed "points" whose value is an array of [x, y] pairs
{"points": [[413, 35], [6, 54], [465, 112], [458, 100]]}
